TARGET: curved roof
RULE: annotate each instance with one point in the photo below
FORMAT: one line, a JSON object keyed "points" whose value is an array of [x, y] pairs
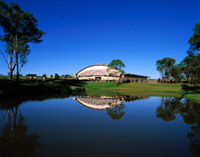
{"points": [[98, 70]]}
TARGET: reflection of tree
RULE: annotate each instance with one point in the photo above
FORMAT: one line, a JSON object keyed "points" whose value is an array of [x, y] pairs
{"points": [[167, 109], [116, 112], [191, 115], [14, 140], [194, 138]]}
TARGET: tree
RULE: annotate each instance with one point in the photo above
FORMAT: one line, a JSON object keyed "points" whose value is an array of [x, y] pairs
{"points": [[56, 76], [194, 40], [160, 67], [192, 68], [177, 72], [165, 66], [44, 75], [192, 61], [117, 64], [20, 28]]}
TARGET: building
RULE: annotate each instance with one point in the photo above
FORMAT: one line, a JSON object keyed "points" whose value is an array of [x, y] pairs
{"points": [[104, 73], [98, 72], [31, 76]]}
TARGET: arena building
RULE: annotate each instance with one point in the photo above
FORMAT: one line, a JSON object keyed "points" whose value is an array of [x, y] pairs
{"points": [[98, 72], [104, 73]]}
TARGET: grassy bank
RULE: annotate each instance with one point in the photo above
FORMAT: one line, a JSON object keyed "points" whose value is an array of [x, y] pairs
{"points": [[133, 87], [75, 87], [193, 97], [37, 87], [143, 89]]}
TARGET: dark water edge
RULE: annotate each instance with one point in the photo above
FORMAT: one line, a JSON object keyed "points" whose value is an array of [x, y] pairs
{"points": [[122, 126]]}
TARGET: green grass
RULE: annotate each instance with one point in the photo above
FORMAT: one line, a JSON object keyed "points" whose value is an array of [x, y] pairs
{"points": [[142, 89], [193, 97], [133, 87], [105, 88]]}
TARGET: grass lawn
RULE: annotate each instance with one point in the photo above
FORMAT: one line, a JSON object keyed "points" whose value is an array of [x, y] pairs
{"points": [[133, 87], [99, 88], [193, 97], [142, 89]]}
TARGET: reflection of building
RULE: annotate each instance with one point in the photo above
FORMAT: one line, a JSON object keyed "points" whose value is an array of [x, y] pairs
{"points": [[105, 102], [105, 73], [99, 102]]}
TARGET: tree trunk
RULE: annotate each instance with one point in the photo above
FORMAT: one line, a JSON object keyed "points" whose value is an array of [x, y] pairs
{"points": [[17, 67], [11, 74]]}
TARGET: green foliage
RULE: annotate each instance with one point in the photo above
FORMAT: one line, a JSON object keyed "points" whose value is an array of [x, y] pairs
{"points": [[117, 64], [19, 29], [165, 66], [57, 76], [44, 75], [192, 67], [194, 40], [68, 76]]}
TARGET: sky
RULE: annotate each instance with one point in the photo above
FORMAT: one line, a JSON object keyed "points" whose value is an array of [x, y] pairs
{"points": [[86, 32]]}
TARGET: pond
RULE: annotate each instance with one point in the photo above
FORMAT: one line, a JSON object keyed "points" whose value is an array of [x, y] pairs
{"points": [[100, 126]]}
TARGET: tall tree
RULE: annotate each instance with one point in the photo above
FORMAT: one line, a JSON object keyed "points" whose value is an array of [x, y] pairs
{"points": [[20, 28]]}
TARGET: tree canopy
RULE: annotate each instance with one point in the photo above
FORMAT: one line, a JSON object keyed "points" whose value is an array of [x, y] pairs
{"points": [[19, 29], [117, 64], [189, 68]]}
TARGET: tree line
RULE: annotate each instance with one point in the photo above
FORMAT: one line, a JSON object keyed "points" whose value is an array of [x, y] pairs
{"points": [[19, 29], [188, 70]]}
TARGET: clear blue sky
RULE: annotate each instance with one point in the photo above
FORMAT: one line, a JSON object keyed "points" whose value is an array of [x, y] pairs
{"points": [[85, 32]]}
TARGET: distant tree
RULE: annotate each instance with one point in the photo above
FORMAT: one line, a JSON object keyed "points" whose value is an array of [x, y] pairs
{"points": [[178, 72], [165, 66], [117, 64], [57, 76], [44, 75], [68, 76], [161, 68], [20, 28]]}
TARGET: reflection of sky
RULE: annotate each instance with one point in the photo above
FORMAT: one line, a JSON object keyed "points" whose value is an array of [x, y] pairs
{"points": [[65, 126]]}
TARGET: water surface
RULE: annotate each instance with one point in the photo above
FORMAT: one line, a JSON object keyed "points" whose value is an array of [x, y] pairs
{"points": [[100, 126]]}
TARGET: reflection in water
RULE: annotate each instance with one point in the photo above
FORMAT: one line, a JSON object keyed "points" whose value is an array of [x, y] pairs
{"points": [[113, 105], [191, 115], [99, 102], [116, 112], [14, 140]]}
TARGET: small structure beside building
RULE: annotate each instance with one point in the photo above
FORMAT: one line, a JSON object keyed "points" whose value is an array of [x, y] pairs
{"points": [[31, 76]]}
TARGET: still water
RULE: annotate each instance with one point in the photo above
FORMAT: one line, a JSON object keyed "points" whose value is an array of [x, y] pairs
{"points": [[100, 126]]}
